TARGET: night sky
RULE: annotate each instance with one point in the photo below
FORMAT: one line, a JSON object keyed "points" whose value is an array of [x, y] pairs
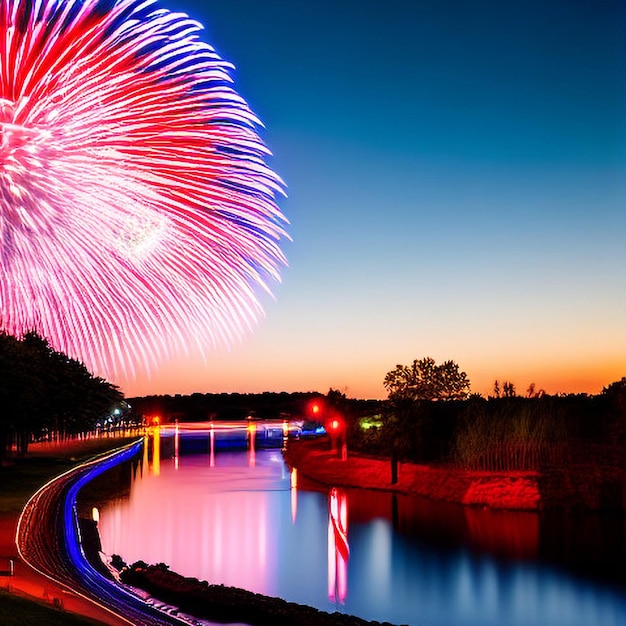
{"points": [[456, 180]]}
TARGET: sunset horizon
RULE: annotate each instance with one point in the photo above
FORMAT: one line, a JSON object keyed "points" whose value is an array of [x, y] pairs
{"points": [[456, 184]]}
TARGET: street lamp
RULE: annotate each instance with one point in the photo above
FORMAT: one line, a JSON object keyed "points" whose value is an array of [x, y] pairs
{"points": [[337, 431]]}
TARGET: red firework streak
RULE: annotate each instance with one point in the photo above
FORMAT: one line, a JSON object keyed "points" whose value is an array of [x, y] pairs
{"points": [[138, 214]]}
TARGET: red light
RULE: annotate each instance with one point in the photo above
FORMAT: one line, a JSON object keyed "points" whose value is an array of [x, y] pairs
{"points": [[334, 425], [315, 408]]}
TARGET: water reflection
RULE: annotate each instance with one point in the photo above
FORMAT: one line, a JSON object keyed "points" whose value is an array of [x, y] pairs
{"points": [[156, 451], [513, 534], [338, 548], [294, 495], [176, 446], [376, 555], [251, 444]]}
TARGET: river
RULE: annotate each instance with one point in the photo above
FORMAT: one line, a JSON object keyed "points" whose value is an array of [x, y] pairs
{"points": [[241, 518]]}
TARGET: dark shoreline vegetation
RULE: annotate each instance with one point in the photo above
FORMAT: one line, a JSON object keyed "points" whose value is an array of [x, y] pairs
{"points": [[563, 438], [430, 416], [45, 395], [227, 604]]}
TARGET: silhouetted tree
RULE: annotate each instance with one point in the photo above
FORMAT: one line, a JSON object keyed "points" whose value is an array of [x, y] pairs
{"points": [[425, 380], [508, 389], [533, 392], [412, 426], [496, 389]]}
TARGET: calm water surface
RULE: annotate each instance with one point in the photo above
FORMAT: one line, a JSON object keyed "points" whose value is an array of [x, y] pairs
{"points": [[242, 519]]}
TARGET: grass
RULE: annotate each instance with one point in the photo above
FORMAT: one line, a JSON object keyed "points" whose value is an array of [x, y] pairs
{"points": [[20, 480], [17, 611]]}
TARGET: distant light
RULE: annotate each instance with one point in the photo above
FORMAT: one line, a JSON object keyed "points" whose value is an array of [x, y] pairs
{"points": [[95, 515], [374, 421]]}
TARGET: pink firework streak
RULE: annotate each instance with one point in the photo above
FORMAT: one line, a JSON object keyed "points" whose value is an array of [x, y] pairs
{"points": [[137, 212]]}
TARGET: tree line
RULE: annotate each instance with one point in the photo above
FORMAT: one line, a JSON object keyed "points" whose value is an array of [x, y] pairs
{"points": [[45, 393], [202, 407], [430, 416]]}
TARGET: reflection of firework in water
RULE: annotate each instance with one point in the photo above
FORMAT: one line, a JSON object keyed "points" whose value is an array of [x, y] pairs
{"points": [[137, 213]]}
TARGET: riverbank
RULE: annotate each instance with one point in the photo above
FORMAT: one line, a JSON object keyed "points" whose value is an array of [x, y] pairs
{"points": [[29, 597], [575, 488], [229, 604]]}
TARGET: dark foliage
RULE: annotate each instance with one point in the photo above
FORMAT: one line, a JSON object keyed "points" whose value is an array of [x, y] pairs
{"points": [[502, 433], [425, 380], [44, 393], [200, 407], [228, 604]]}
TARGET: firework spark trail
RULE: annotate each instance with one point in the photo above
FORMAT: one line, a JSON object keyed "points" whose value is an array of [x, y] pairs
{"points": [[137, 210]]}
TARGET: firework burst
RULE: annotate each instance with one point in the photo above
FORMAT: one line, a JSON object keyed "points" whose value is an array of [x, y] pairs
{"points": [[137, 209]]}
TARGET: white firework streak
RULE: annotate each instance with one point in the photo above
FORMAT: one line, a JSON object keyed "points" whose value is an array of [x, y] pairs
{"points": [[138, 214]]}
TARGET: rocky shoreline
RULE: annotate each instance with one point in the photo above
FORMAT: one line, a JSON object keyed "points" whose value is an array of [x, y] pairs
{"points": [[202, 600], [229, 604]]}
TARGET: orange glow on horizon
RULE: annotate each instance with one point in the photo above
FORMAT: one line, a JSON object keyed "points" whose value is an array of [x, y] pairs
{"points": [[554, 371]]}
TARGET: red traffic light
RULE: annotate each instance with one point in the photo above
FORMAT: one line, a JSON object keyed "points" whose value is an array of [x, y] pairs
{"points": [[334, 425], [316, 408]]}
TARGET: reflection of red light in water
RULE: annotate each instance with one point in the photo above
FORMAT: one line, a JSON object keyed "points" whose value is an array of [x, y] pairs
{"points": [[146, 446], [506, 534], [294, 495], [513, 534], [156, 451], [338, 548], [176, 446], [251, 445]]}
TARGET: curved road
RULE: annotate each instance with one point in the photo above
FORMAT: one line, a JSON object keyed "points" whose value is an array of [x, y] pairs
{"points": [[48, 539]]}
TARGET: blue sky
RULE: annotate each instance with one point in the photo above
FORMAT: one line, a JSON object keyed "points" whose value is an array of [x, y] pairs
{"points": [[456, 179]]}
